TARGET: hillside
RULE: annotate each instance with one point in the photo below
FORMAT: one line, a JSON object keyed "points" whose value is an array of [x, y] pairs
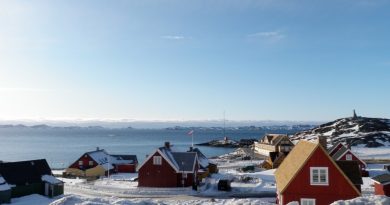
{"points": [[362, 131]]}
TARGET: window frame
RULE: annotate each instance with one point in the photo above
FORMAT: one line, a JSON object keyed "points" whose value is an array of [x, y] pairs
{"points": [[157, 160], [348, 157], [90, 163], [305, 201], [319, 183], [81, 163]]}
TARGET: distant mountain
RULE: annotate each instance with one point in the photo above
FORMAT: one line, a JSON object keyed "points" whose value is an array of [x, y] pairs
{"points": [[270, 128], [363, 131], [158, 124]]}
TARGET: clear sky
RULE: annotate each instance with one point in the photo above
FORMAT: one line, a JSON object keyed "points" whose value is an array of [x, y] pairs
{"points": [[191, 60]]}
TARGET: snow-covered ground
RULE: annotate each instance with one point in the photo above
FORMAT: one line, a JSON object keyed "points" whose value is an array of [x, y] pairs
{"points": [[122, 189], [372, 153], [79, 200], [366, 200]]}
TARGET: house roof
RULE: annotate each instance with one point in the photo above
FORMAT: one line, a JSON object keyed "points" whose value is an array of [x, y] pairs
{"points": [[334, 147], [107, 160], [352, 171], [382, 179], [340, 153], [20, 173], [169, 157], [103, 158], [293, 163], [273, 139], [128, 158], [185, 160], [203, 160], [179, 161]]}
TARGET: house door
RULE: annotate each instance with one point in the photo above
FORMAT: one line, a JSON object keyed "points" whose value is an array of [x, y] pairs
{"points": [[47, 189]]}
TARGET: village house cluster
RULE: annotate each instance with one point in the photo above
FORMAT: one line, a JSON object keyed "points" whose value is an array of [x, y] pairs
{"points": [[306, 172]]}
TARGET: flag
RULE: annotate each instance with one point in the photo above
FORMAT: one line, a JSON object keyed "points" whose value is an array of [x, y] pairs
{"points": [[190, 133]]}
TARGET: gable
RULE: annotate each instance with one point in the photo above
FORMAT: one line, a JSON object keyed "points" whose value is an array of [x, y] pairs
{"points": [[297, 160], [282, 138], [339, 184], [158, 153], [83, 157], [348, 151]]}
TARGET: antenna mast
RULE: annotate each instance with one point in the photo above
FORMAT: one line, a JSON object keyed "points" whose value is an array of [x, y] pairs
{"points": [[224, 124]]}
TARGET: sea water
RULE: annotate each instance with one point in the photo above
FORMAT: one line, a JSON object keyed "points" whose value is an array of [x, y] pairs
{"points": [[60, 146]]}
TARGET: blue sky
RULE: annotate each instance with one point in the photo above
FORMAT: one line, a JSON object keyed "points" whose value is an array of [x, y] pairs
{"points": [[193, 60]]}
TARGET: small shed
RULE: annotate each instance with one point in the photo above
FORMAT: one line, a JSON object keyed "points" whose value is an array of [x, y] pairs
{"points": [[5, 191], [382, 184], [53, 186], [30, 177]]}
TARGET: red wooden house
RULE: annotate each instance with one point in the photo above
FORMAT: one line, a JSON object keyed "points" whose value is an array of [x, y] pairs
{"points": [[164, 168], [345, 154], [87, 164], [310, 176], [382, 184]]}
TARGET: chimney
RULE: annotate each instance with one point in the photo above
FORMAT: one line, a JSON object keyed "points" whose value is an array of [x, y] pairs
{"points": [[191, 149], [322, 141], [97, 149], [167, 145]]}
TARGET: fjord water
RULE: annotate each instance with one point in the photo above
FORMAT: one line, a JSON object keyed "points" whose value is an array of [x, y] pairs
{"points": [[62, 146]]}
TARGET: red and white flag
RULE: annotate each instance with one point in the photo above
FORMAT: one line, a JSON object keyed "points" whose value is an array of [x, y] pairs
{"points": [[190, 133]]}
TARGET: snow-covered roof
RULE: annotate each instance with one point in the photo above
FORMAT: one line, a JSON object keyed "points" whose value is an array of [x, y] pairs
{"points": [[202, 159], [51, 179], [168, 154], [3, 184], [102, 158], [125, 159]]}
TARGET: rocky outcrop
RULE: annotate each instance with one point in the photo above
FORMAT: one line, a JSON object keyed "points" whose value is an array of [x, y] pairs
{"points": [[362, 131]]}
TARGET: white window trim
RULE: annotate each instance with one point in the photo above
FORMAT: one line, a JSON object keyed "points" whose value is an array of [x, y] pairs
{"points": [[80, 163], [348, 157], [307, 200], [157, 160], [90, 163], [326, 183]]}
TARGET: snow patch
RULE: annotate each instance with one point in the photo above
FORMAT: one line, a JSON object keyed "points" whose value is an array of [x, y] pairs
{"points": [[366, 200]]}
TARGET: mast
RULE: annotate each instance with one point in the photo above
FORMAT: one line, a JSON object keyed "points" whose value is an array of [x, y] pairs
{"points": [[224, 124]]}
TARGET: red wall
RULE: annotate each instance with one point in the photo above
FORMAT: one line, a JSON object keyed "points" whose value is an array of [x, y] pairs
{"points": [[85, 158], [354, 158], [338, 188], [125, 168], [163, 175], [189, 181], [382, 190]]}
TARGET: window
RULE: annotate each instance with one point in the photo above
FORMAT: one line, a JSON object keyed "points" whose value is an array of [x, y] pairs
{"points": [[319, 176], [349, 157], [90, 163], [184, 175], [157, 160], [81, 163], [308, 201]]}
